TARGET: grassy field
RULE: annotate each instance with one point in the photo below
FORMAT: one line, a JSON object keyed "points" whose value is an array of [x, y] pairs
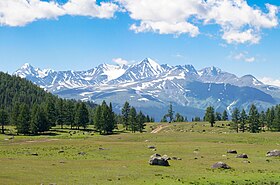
{"points": [[123, 158]]}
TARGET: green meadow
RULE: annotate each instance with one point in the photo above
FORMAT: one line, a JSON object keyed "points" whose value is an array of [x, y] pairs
{"points": [[63, 156]]}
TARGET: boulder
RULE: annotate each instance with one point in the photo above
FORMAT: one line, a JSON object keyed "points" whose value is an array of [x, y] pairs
{"points": [[221, 165], [151, 147], [156, 159], [232, 151], [273, 153], [166, 157], [244, 156]]}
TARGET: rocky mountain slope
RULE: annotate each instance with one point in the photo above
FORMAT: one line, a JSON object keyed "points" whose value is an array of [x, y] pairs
{"points": [[151, 87]]}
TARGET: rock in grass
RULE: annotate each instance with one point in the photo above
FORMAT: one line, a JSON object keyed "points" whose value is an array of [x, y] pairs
{"points": [[151, 147], [156, 159], [34, 154], [273, 153], [244, 156], [82, 153], [232, 152], [221, 165]]}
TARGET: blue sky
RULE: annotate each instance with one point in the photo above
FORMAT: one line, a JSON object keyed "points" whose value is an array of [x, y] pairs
{"points": [[68, 37]]}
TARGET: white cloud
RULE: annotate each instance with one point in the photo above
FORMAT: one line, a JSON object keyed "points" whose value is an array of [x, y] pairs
{"points": [[90, 8], [239, 22], [120, 61], [243, 56], [22, 12], [270, 81]]}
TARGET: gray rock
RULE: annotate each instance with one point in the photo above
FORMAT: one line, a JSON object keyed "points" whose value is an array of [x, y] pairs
{"points": [[82, 153], [244, 156], [273, 153], [156, 159], [232, 151], [221, 165], [166, 157]]}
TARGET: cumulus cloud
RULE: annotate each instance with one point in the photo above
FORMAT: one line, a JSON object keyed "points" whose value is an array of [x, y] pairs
{"points": [[244, 56], [90, 8], [239, 22], [22, 12], [270, 81], [120, 61]]}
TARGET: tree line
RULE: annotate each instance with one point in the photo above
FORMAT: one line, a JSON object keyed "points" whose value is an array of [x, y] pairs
{"points": [[254, 121], [32, 110]]}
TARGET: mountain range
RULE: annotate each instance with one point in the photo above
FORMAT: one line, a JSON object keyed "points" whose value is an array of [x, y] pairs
{"points": [[151, 87]]}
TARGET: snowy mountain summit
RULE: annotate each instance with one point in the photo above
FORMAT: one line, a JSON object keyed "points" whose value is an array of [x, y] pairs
{"points": [[150, 87]]}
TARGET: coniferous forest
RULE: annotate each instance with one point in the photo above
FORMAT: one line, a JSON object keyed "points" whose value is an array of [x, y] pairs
{"points": [[33, 111]]}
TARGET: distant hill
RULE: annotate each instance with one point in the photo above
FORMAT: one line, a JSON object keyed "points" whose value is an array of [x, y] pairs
{"points": [[14, 89], [151, 87]]}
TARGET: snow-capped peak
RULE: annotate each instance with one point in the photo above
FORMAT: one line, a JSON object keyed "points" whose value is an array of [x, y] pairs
{"points": [[210, 71]]}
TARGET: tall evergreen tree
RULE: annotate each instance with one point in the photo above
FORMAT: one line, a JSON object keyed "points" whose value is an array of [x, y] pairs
{"points": [[270, 115], [170, 113], [132, 119], [125, 114], [276, 120], [39, 122], [51, 111], [218, 116], [243, 120], [254, 123], [23, 122], [262, 120], [235, 119], [14, 113], [225, 116], [61, 112], [70, 115], [4, 119], [210, 115], [141, 122], [81, 115], [97, 118]]}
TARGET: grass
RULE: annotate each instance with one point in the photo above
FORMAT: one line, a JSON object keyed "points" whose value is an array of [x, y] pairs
{"points": [[124, 157]]}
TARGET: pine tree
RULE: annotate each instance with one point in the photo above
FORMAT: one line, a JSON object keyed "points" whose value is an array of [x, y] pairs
{"points": [[218, 116], [51, 111], [270, 115], [4, 119], [97, 119], [61, 113], [23, 122], [132, 119], [170, 113], [70, 116], [225, 116], [262, 119], [243, 120], [164, 119], [276, 120], [125, 114], [253, 118], [39, 122], [141, 122], [81, 116], [15, 113], [210, 115], [179, 118], [235, 119]]}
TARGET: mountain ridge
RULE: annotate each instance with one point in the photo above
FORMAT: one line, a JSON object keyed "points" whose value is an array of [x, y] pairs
{"points": [[147, 85]]}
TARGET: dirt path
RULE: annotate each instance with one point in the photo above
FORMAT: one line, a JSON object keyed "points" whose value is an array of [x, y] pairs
{"points": [[159, 128]]}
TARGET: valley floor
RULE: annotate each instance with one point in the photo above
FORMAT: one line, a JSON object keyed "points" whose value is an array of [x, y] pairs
{"points": [[86, 158]]}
